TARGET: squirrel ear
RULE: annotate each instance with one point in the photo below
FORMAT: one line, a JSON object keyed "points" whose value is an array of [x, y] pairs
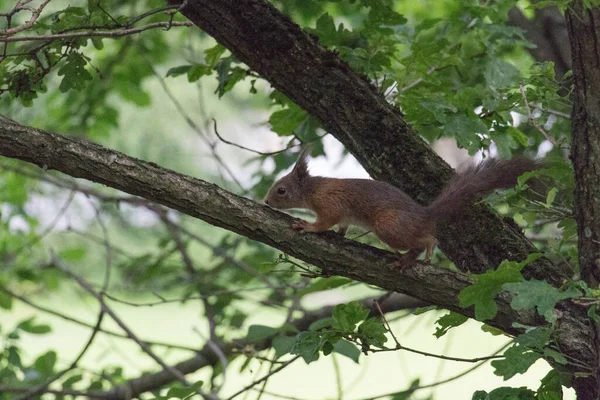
{"points": [[300, 170]]}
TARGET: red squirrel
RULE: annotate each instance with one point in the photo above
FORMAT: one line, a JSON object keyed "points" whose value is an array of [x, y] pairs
{"points": [[391, 214]]}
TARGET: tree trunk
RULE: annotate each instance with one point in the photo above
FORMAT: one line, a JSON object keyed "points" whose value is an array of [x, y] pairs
{"points": [[584, 31]]}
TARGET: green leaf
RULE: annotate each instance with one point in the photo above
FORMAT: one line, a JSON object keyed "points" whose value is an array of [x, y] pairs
{"points": [[74, 72], [266, 267], [307, 346], [374, 331], [447, 322], [177, 71], [73, 379], [197, 71], [423, 310], [501, 74], [327, 348], [505, 393], [540, 295], [29, 326], [213, 54], [491, 330], [321, 284], [465, 130], [551, 386], [260, 332], [535, 339], [320, 324], [517, 360], [551, 196], [284, 122], [73, 254], [227, 75], [347, 349], [45, 363], [6, 301], [592, 313], [558, 357], [482, 293], [325, 30], [283, 345], [569, 228], [180, 392], [347, 316]]}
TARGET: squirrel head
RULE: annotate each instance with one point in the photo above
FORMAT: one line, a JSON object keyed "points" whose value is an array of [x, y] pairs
{"points": [[288, 192]]}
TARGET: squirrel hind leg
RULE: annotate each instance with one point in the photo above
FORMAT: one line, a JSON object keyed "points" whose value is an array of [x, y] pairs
{"points": [[406, 259], [342, 229], [431, 244]]}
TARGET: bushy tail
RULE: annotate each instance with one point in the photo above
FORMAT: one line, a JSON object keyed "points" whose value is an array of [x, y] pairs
{"points": [[477, 180]]}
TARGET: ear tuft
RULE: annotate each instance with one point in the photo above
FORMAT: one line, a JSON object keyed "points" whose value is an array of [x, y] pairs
{"points": [[300, 170]]}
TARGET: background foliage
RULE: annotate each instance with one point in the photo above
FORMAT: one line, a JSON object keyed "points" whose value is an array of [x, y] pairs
{"points": [[139, 78]]}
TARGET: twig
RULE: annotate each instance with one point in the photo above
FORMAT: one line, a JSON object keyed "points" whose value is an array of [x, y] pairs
{"points": [[108, 262], [267, 376], [199, 297], [49, 228], [387, 324], [419, 80], [43, 387], [63, 392], [190, 122], [262, 153], [424, 353], [532, 120], [220, 355], [91, 33], [35, 14], [176, 235], [85, 324], [88, 288]]}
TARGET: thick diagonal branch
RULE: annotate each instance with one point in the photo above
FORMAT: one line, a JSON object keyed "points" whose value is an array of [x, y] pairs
{"points": [[351, 109], [197, 198]]}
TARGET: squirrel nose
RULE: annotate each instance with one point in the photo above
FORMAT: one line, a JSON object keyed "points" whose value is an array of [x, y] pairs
{"points": [[266, 201]]}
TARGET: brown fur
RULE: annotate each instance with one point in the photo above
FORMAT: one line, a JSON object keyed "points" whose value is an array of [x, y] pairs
{"points": [[391, 214]]}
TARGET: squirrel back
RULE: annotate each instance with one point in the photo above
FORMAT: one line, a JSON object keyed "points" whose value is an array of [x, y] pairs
{"points": [[475, 181]]}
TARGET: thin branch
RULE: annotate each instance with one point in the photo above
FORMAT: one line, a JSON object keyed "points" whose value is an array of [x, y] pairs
{"points": [[92, 33], [85, 324], [43, 387], [49, 228], [532, 120], [64, 392], [267, 376], [262, 153], [199, 297], [88, 288], [35, 14], [196, 128], [423, 353]]}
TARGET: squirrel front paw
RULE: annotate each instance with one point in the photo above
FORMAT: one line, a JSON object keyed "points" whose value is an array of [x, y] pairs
{"points": [[300, 225]]}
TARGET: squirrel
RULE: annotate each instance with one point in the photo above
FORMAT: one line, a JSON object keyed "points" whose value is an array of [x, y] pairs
{"points": [[392, 215]]}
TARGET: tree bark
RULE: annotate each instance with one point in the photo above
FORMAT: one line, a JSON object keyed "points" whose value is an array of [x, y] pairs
{"points": [[352, 110], [584, 31], [548, 31], [329, 251]]}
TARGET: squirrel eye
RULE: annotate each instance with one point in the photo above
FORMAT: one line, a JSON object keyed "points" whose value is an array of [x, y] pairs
{"points": [[281, 190]]}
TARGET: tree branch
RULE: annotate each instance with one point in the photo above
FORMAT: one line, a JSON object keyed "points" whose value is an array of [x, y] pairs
{"points": [[548, 31], [352, 110], [207, 357], [94, 33], [194, 197]]}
